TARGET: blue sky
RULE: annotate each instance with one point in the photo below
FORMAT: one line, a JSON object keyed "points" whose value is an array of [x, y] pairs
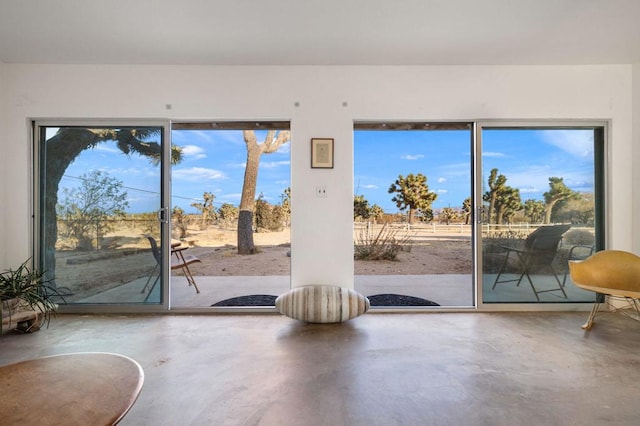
{"points": [[529, 157], [442, 156], [526, 157], [213, 161]]}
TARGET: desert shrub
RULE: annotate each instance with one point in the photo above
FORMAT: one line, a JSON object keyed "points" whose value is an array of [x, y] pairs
{"points": [[494, 251], [149, 222], [180, 222], [497, 240], [90, 209], [576, 244], [228, 215], [579, 237], [278, 218], [268, 217], [383, 245]]}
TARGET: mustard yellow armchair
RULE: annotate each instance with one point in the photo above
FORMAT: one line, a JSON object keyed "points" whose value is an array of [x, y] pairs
{"points": [[611, 272]]}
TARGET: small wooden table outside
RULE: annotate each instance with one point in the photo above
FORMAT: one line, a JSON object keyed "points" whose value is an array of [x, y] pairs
{"points": [[89, 388]]}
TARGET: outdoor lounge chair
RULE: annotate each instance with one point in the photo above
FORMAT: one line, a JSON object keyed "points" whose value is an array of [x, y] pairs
{"points": [[538, 252], [178, 261]]}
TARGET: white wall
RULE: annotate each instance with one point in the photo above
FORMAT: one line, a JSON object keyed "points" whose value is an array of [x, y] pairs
{"points": [[329, 98], [3, 169], [635, 230]]}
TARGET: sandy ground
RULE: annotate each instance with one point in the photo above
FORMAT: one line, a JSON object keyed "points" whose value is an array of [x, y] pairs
{"points": [[442, 255], [88, 273]]}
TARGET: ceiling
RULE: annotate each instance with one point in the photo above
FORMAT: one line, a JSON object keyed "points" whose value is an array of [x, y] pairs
{"points": [[320, 32]]}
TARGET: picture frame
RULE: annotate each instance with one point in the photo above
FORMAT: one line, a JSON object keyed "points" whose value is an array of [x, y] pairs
{"points": [[322, 153]]}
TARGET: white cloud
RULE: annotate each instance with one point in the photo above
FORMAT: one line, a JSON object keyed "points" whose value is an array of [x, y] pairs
{"points": [[285, 148], [578, 143], [455, 170], [535, 179], [528, 190], [193, 151], [412, 157], [530, 180], [120, 172], [442, 180], [111, 149], [370, 186], [230, 197], [274, 164], [492, 154], [197, 174], [442, 191]]}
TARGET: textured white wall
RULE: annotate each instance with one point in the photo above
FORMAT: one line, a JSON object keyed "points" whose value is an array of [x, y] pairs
{"points": [[3, 169], [329, 100], [635, 187]]}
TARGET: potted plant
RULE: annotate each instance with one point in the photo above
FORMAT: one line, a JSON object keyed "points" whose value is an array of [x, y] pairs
{"points": [[26, 299]]}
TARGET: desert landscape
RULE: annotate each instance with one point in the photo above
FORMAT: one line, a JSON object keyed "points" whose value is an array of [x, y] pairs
{"points": [[441, 254], [88, 273]]}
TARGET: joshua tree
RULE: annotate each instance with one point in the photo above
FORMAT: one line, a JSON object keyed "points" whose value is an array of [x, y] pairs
{"points": [[504, 201], [447, 214], [466, 210], [206, 209], [558, 191], [228, 214], [534, 210], [272, 141], [360, 207], [496, 185], [507, 204], [180, 221], [413, 193], [376, 212]]}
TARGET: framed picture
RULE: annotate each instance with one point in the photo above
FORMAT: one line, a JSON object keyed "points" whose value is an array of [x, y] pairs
{"points": [[322, 153]]}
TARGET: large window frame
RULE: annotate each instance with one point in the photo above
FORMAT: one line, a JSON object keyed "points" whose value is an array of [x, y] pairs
{"points": [[601, 166], [601, 170]]}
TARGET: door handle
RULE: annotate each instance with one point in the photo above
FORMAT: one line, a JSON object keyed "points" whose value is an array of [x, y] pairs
{"points": [[162, 215]]}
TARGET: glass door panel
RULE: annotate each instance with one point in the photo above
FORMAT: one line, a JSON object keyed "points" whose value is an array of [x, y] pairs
{"points": [[99, 200], [540, 208], [412, 214], [231, 214]]}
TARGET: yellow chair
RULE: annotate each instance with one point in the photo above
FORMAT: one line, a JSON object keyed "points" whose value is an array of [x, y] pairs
{"points": [[611, 272]]}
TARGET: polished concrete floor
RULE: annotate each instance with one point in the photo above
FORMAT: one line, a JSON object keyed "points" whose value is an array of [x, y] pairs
{"points": [[379, 369]]}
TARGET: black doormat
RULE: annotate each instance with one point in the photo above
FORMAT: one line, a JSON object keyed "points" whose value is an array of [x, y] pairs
{"points": [[389, 299], [375, 300], [250, 300]]}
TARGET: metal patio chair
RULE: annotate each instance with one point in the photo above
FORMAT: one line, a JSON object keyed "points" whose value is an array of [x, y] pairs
{"points": [[539, 251], [178, 261]]}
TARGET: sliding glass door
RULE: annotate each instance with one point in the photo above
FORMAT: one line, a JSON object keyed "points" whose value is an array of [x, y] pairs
{"points": [[538, 202], [412, 216], [100, 209], [231, 211], [541, 204]]}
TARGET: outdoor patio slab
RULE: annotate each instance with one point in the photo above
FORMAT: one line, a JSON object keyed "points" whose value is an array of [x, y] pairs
{"points": [[447, 290]]}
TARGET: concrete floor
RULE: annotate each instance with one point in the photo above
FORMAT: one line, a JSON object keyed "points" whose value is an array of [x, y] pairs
{"points": [[379, 369]]}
